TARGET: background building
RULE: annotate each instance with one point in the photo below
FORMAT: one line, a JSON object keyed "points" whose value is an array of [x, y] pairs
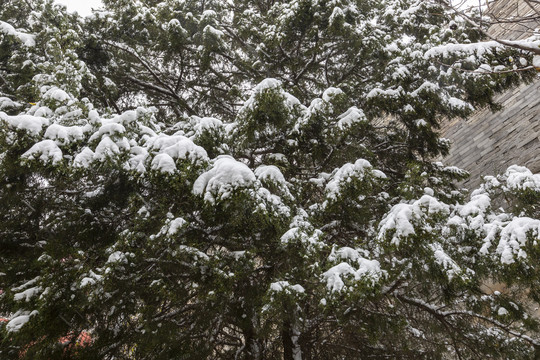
{"points": [[487, 143]]}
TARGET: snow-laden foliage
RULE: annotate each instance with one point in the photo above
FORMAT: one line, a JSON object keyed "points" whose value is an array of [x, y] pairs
{"points": [[254, 179]]}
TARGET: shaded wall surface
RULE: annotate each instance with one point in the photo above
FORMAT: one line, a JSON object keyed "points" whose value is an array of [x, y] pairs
{"points": [[487, 143]]}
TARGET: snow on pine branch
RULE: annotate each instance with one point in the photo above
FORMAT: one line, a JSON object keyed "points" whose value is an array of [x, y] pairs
{"points": [[25, 38]]}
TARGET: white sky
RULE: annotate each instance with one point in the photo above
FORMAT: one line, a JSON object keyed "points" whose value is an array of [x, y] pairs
{"points": [[83, 7]]}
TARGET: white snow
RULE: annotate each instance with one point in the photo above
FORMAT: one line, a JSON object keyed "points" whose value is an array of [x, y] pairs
{"points": [[480, 48], [536, 61], [344, 253], [513, 238], [391, 93], [459, 104], [91, 279], [164, 163], [29, 123], [117, 257], [368, 270], [177, 147], [402, 219], [27, 294], [200, 125], [111, 128], [478, 204], [270, 172], [223, 178], [56, 94], [26, 39], [84, 158], [329, 93], [175, 225], [284, 286], [46, 151], [268, 84], [448, 264], [106, 148], [19, 319], [6, 102], [63, 134], [521, 178], [346, 174], [209, 29], [350, 117]]}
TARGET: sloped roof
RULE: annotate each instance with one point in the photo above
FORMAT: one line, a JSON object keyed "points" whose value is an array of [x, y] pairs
{"points": [[488, 143]]}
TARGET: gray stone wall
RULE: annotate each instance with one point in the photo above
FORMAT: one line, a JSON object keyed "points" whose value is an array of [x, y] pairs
{"points": [[487, 143]]}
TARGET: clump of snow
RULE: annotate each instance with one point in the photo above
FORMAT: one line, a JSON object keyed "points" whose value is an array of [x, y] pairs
{"points": [[390, 93], [402, 219], [284, 286], [26, 39], [164, 163], [459, 104], [84, 159], [111, 128], [27, 294], [195, 253], [350, 117], [212, 30], [480, 49], [368, 270], [270, 84], [106, 148], [63, 134], [270, 172], [421, 123], [175, 225], [329, 93], [513, 238], [46, 151], [117, 257], [521, 178], [448, 264], [223, 178], [200, 125], [19, 319], [6, 102], [177, 147], [478, 205], [91, 279], [536, 61], [29, 123], [138, 156], [291, 234], [346, 174], [345, 253], [502, 311], [337, 14], [56, 94]]}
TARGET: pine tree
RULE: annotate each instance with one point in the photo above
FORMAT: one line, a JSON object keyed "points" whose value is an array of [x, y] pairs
{"points": [[255, 180]]}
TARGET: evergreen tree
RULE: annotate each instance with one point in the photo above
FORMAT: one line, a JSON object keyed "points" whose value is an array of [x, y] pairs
{"points": [[256, 180]]}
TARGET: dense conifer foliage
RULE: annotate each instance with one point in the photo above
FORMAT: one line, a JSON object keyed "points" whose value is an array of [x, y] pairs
{"points": [[256, 180]]}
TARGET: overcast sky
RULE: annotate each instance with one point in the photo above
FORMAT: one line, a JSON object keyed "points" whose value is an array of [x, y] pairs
{"points": [[83, 7]]}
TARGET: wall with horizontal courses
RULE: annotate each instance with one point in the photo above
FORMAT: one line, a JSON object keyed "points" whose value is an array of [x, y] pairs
{"points": [[487, 143]]}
